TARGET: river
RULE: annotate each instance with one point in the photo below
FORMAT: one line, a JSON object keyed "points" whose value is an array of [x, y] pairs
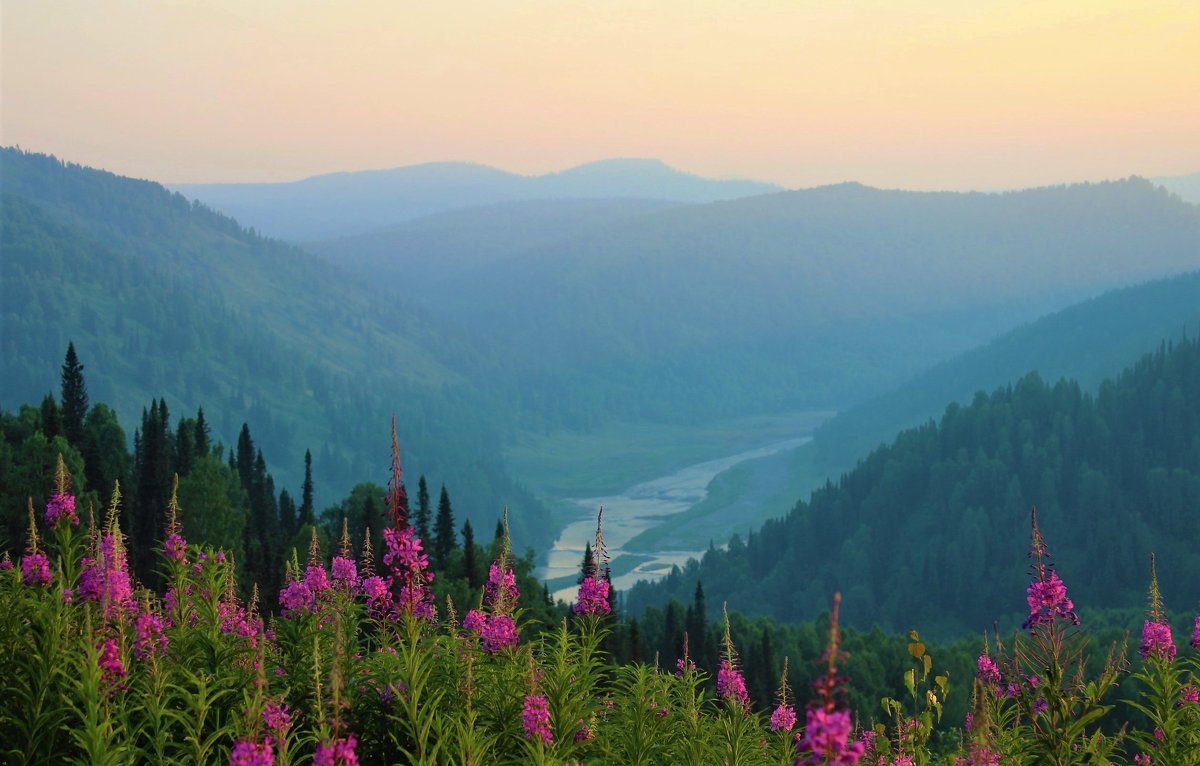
{"points": [[637, 509]]}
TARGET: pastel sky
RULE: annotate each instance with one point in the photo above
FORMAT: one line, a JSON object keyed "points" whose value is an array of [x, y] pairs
{"points": [[922, 94]]}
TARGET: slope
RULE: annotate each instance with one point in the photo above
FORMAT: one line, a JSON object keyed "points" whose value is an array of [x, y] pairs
{"points": [[930, 530], [791, 301], [167, 299]]}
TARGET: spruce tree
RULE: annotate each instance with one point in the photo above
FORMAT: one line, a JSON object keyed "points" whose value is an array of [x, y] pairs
{"points": [[308, 514], [287, 514], [588, 567], [52, 424], [444, 539], [154, 466], [203, 445], [245, 459], [74, 398], [424, 513], [470, 565], [185, 446]]}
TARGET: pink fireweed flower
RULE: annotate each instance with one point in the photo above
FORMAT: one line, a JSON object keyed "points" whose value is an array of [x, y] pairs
{"points": [[35, 569], [337, 752], [1046, 595], [475, 621], [296, 598], [1196, 634], [105, 579], [683, 665], [826, 739], [61, 506], [980, 755], [499, 632], [1189, 694], [375, 589], [501, 587], [113, 670], [731, 685], [593, 597], [150, 639], [989, 672], [175, 548], [902, 760], [345, 574], [277, 719], [409, 572], [6, 564], [403, 550], [535, 717], [246, 753], [317, 580], [1157, 641], [783, 718], [1047, 599]]}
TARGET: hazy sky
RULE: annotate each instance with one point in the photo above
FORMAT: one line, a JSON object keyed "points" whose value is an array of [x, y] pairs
{"points": [[912, 93]]}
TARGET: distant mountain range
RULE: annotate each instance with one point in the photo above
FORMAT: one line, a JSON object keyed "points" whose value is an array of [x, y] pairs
{"points": [[1186, 186], [343, 204], [809, 299]]}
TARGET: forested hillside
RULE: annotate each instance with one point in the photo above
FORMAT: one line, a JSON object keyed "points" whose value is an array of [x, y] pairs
{"points": [[168, 300], [811, 299], [1115, 476]]}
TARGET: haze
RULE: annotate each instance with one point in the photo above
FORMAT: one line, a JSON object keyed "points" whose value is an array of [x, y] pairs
{"points": [[924, 94]]}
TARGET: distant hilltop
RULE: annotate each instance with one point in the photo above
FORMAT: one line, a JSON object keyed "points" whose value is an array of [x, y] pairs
{"points": [[342, 204]]}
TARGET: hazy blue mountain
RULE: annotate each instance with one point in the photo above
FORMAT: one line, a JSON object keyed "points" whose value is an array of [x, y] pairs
{"points": [[165, 298], [342, 204], [1186, 186], [797, 300]]}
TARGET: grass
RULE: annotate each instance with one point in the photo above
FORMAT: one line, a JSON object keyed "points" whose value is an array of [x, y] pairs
{"points": [[608, 460]]}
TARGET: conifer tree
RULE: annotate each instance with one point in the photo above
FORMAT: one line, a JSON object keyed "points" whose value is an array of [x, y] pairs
{"points": [[245, 459], [588, 567], [470, 566], [201, 438], [52, 424], [444, 538], [154, 467], [697, 626], [424, 513], [307, 512], [287, 514], [74, 398], [185, 446]]}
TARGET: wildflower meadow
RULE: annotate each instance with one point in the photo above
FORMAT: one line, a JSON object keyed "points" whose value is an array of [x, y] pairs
{"points": [[361, 664]]}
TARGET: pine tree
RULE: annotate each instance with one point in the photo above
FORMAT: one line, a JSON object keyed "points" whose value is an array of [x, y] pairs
{"points": [[154, 467], [308, 514], [287, 514], [444, 538], [203, 445], [74, 398], [245, 459], [588, 567], [470, 566], [185, 446], [697, 626], [52, 424], [423, 510]]}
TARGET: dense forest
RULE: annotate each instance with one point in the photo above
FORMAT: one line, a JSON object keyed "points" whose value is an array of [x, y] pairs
{"points": [[1116, 476]]}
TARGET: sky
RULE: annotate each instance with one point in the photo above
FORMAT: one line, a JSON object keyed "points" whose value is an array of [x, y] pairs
{"points": [[918, 94]]}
